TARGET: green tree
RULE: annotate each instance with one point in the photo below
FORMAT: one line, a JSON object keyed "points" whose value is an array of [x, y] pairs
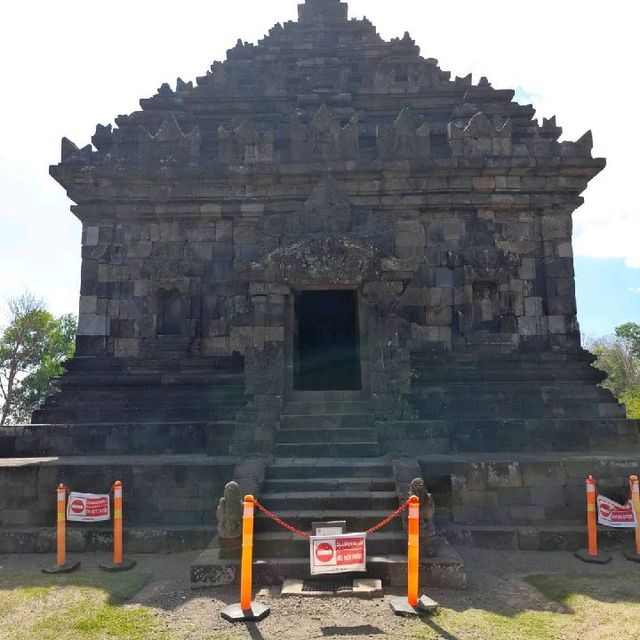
{"points": [[630, 332], [619, 357], [33, 346]]}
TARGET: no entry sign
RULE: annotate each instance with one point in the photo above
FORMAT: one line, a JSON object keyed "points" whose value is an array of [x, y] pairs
{"points": [[612, 514], [88, 507], [338, 554]]}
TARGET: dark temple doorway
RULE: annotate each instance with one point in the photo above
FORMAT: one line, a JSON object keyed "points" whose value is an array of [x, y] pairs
{"points": [[327, 350]]}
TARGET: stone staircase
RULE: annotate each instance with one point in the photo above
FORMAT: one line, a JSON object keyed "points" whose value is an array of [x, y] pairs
{"points": [[327, 424], [327, 468]]}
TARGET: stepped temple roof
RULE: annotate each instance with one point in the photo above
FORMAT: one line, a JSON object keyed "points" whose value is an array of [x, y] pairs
{"points": [[326, 89]]}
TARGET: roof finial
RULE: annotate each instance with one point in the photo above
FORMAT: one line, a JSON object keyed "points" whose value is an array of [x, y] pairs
{"points": [[329, 10]]}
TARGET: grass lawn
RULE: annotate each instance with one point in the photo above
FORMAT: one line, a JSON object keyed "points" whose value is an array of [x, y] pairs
{"points": [[93, 605], [586, 609], [89, 605]]}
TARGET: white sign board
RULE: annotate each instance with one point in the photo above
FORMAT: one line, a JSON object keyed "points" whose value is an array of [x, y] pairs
{"points": [[612, 514], [338, 554], [88, 507]]}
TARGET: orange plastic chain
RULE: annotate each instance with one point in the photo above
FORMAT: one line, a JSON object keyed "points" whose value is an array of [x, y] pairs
{"points": [[282, 523], [302, 534]]}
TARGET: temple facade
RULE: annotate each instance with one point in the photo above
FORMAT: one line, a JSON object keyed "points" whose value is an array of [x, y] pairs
{"points": [[327, 246]]}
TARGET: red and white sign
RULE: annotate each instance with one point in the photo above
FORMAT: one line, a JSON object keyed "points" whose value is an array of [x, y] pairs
{"points": [[612, 514], [338, 554], [88, 507]]}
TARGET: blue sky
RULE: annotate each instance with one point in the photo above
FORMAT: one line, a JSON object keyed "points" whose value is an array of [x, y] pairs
{"points": [[67, 66]]}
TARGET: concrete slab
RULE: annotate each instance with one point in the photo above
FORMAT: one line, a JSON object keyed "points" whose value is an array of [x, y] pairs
{"points": [[361, 587], [401, 606]]}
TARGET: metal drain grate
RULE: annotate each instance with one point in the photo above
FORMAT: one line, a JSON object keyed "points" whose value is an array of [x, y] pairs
{"points": [[329, 585]]}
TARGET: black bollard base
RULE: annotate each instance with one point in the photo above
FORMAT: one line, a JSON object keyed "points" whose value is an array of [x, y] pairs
{"points": [[401, 606], [632, 555], [69, 567], [601, 558], [235, 613], [111, 567]]}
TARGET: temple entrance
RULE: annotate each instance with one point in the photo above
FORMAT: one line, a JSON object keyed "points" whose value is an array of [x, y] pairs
{"points": [[327, 350]]}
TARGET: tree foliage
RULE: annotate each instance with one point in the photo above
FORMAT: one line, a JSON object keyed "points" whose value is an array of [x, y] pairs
{"points": [[619, 357], [33, 346]]}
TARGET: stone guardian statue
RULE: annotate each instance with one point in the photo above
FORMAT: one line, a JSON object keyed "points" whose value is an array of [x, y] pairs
{"points": [[229, 512], [427, 505]]}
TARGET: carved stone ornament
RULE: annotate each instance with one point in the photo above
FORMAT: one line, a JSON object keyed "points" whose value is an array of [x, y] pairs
{"points": [[229, 512], [328, 209], [326, 260]]}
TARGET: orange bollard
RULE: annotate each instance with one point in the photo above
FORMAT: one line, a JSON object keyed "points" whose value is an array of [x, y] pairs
{"points": [[117, 522], [591, 553], [634, 487], [592, 529], [413, 562], [119, 563], [413, 604], [61, 532], [61, 535], [246, 611], [246, 569]]}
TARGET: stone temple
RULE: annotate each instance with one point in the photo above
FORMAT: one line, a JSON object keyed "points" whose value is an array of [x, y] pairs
{"points": [[321, 269]]}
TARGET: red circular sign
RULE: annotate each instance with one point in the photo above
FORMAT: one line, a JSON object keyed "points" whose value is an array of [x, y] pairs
{"points": [[77, 506], [605, 509], [324, 552]]}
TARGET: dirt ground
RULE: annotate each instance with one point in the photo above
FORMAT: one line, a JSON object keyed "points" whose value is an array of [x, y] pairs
{"points": [[500, 602]]}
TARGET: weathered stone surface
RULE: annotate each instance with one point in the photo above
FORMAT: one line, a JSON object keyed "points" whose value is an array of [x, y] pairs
{"points": [[324, 158]]}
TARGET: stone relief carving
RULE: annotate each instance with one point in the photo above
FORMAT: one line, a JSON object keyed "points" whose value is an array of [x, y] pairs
{"points": [[327, 260], [245, 145], [170, 144], [480, 137], [229, 512], [404, 140], [327, 209], [324, 138]]}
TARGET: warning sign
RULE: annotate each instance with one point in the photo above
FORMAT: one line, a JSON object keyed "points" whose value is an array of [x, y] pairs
{"points": [[338, 554], [612, 514], [88, 507]]}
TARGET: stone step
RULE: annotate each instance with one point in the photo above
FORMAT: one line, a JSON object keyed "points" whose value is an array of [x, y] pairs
{"points": [[328, 450], [283, 544], [323, 396], [163, 538], [321, 500], [327, 407], [341, 435], [326, 421], [357, 520], [328, 484], [118, 438], [312, 467], [559, 536], [444, 569]]}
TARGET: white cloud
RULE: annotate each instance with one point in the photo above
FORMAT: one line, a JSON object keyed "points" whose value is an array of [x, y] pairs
{"points": [[634, 289]]}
